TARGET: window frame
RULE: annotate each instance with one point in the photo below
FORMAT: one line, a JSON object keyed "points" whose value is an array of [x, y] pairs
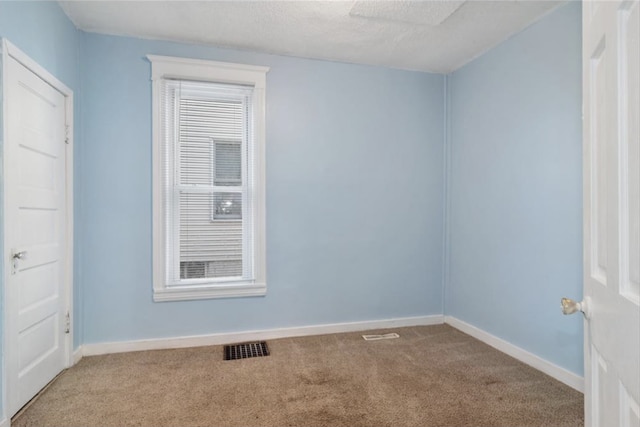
{"points": [[165, 67]]}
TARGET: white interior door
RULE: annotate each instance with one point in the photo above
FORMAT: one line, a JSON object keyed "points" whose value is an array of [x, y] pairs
{"points": [[611, 66], [35, 233]]}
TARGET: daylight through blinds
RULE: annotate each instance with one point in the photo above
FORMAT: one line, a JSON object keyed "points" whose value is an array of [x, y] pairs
{"points": [[208, 181]]}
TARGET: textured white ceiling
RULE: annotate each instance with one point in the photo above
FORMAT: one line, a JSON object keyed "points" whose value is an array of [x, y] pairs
{"points": [[437, 36], [432, 12]]}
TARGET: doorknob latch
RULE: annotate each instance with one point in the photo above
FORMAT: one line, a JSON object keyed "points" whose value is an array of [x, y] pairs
{"points": [[570, 306], [15, 257]]}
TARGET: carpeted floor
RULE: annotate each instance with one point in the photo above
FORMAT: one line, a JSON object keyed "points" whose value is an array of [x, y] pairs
{"points": [[430, 376]]}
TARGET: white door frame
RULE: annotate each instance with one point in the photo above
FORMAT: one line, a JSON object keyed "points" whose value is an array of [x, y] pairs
{"points": [[8, 50]]}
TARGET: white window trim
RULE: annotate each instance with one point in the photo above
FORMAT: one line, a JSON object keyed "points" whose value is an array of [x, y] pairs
{"points": [[219, 72]]}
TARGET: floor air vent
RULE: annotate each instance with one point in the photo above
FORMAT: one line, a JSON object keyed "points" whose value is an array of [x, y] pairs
{"points": [[380, 337], [246, 350]]}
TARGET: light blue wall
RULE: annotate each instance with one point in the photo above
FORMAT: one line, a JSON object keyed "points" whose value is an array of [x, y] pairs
{"points": [[354, 187], [515, 189], [42, 31], [354, 195]]}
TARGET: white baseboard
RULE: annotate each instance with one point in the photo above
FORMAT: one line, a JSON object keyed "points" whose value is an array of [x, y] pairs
{"points": [[235, 337], [77, 354], [569, 378], [560, 374]]}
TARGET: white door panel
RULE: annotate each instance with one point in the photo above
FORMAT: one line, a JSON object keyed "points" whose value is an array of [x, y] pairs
{"points": [[35, 228], [611, 69]]}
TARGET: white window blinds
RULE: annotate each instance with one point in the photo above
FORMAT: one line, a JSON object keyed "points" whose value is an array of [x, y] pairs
{"points": [[208, 153]]}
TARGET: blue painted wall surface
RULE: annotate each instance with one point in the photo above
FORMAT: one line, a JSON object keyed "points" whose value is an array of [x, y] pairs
{"points": [[354, 187], [515, 189], [42, 31], [354, 195]]}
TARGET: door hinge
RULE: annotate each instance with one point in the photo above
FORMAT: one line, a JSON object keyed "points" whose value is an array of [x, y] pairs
{"points": [[67, 323], [66, 134]]}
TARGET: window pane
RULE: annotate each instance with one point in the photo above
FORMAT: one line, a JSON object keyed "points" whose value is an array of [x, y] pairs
{"points": [[192, 269], [208, 249], [202, 118], [210, 131], [195, 162], [227, 206], [228, 163]]}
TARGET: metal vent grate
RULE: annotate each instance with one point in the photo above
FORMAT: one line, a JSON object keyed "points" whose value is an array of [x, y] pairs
{"points": [[380, 337], [246, 350]]}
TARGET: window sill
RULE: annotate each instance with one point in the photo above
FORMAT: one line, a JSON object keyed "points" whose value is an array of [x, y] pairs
{"points": [[186, 293]]}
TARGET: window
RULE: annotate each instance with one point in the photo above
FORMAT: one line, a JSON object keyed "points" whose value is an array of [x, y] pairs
{"points": [[227, 171], [208, 179]]}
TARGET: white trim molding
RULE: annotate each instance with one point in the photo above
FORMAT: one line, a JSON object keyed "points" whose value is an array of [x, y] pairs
{"points": [[201, 69], [36, 68], [564, 376], [233, 337], [569, 378], [77, 355], [253, 282]]}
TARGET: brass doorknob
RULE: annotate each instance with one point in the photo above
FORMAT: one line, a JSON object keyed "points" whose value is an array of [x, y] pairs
{"points": [[570, 306]]}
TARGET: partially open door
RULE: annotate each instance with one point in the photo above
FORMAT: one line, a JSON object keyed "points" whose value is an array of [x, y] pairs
{"points": [[611, 67]]}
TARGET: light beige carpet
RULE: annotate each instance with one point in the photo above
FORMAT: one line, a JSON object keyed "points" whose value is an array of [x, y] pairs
{"points": [[430, 376]]}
